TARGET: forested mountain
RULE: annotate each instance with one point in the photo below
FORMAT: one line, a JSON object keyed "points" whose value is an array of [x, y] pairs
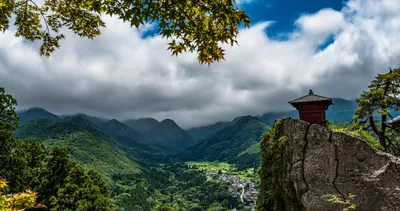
{"points": [[167, 134], [36, 113], [86, 143], [199, 133], [122, 132], [134, 184], [236, 143], [141, 125], [93, 119]]}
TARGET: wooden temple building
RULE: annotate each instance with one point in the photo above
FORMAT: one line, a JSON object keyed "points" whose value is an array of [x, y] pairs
{"points": [[312, 108]]}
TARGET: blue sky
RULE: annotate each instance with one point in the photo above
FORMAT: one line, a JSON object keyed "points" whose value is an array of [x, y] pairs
{"points": [[285, 12], [334, 48]]}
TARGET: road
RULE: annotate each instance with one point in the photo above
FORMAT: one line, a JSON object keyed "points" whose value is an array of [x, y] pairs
{"points": [[241, 195]]}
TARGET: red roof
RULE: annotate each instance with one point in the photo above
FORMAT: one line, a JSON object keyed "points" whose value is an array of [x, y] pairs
{"points": [[311, 97]]}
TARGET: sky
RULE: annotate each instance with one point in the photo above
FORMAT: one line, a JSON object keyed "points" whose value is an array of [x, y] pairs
{"points": [[333, 47]]}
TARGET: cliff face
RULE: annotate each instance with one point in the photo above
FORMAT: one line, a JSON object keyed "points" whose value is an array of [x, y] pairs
{"points": [[318, 161]]}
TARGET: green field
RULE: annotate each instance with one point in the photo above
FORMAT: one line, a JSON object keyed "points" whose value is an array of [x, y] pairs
{"points": [[226, 168]]}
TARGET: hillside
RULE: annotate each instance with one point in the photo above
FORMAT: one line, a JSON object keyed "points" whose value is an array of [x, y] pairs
{"points": [[122, 132], [141, 125], [167, 134], [36, 113], [93, 119], [236, 143], [199, 133], [88, 145]]}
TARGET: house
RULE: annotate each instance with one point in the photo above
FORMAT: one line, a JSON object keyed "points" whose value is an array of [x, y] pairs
{"points": [[312, 108]]}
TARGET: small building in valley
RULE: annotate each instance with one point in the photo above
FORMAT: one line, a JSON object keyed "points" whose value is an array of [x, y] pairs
{"points": [[312, 108]]}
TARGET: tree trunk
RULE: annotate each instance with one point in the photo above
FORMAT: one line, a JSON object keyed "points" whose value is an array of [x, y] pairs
{"points": [[380, 134], [382, 138], [382, 142]]}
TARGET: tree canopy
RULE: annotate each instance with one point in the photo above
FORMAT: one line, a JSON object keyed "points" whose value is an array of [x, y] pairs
{"points": [[201, 26], [28, 165], [375, 106]]}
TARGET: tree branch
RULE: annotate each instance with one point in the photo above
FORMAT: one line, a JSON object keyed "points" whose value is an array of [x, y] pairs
{"points": [[42, 14], [391, 143]]}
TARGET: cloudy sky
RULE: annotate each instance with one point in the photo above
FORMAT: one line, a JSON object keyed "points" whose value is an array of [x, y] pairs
{"points": [[330, 46]]}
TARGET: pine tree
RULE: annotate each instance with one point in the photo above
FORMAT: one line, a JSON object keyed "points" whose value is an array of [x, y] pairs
{"points": [[382, 96]]}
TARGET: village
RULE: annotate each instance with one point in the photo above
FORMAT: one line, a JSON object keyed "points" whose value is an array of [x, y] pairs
{"points": [[240, 188]]}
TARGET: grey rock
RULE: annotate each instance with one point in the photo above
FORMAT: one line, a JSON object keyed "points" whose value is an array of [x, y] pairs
{"points": [[319, 162]]}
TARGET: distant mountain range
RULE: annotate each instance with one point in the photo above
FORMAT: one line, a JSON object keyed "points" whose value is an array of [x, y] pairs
{"points": [[146, 140]]}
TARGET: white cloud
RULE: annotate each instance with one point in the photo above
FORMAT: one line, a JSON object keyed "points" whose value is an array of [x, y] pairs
{"points": [[241, 2], [120, 74]]}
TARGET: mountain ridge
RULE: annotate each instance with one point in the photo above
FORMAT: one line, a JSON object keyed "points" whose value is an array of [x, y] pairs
{"points": [[141, 125], [241, 136], [167, 134], [87, 144]]}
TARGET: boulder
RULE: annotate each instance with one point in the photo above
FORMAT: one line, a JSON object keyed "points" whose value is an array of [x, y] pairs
{"points": [[319, 161]]}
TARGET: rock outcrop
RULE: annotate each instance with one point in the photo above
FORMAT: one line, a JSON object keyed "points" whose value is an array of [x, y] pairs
{"points": [[319, 161]]}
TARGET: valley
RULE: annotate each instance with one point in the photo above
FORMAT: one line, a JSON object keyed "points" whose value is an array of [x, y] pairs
{"points": [[243, 184], [148, 162]]}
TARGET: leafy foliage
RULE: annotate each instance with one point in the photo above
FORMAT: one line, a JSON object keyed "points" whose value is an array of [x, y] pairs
{"points": [[347, 204], [381, 98], [200, 26], [51, 173], [8, 116], [356, 131], [29, 166], [19, 201]]}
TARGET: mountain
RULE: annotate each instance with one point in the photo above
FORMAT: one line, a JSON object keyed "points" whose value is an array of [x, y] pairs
{"points": [[167, 134], [141, 125], [199, 133], [93, 119], [36, 113], [236, 143], [87, 143], [122, 132], [341, 110], [270, 117]]}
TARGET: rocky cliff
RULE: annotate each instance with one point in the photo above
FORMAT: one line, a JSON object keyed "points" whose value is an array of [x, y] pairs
{"points": [[315, 161]]}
